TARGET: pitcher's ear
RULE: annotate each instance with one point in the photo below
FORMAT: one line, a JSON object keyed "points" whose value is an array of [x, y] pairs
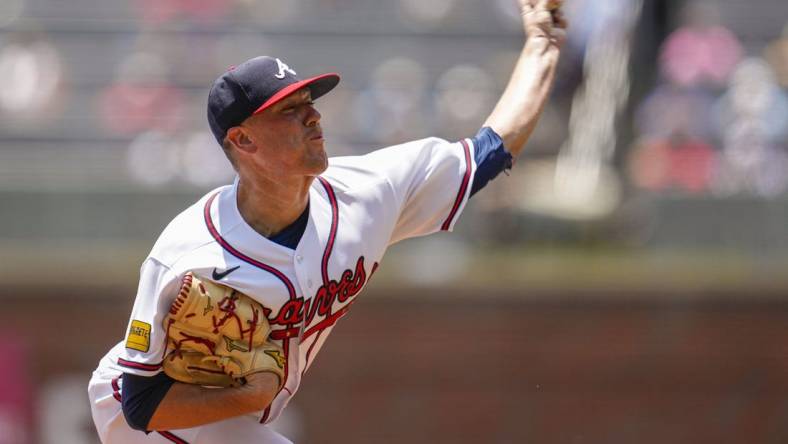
{"points": [[238, 137]]}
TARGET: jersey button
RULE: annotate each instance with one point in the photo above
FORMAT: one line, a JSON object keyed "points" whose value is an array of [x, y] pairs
{"points": [[309, 283], [299, 258]]}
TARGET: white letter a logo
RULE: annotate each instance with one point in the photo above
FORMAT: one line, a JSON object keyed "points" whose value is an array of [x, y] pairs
{"points": [[282, 69]]}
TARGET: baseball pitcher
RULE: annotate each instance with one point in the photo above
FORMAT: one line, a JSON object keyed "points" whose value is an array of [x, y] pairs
{"points": [[242, 289]]}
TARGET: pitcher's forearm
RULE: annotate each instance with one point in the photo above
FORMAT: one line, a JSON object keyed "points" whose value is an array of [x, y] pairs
{"points": [[187, 405], [517, 112]]}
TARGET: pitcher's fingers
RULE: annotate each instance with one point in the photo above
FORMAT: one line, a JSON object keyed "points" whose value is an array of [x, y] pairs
{"points": [[553, 5], [528, 5], [559, 19], [543, 5]]}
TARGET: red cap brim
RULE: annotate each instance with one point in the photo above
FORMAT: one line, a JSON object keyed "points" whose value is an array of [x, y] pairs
{"points": [[319, 85]]}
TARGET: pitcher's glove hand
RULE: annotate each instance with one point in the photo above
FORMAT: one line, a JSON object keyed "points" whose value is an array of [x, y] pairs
{"points": [[216, 336]]}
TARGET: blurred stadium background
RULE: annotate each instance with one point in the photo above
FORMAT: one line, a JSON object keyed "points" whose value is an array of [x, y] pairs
{"points": [[628, 282]]}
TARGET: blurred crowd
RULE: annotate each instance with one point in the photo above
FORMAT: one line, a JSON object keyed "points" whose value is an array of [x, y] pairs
{"points": [[129, 77], [716, 123], [132, 75]]}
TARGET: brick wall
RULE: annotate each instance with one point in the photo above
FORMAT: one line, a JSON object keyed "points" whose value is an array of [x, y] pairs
{"points": [[454, 369]]}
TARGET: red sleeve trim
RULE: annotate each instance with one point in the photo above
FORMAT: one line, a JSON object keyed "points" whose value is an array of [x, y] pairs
{"points": [[139, 365], [116, 389], [463, 187], [172, 437]]}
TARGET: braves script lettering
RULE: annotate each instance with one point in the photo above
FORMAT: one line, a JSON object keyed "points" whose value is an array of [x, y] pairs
{"points": [[298, 310]]}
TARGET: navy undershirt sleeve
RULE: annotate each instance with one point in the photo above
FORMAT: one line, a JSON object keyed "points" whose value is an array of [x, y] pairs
{"points": [[141, 396], [491, 158]]}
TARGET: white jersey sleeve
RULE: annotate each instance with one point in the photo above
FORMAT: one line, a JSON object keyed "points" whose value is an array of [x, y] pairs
{"points": [[429, 182], [146, 340]]}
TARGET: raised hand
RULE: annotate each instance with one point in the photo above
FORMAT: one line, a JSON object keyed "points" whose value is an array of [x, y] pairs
{"points": [[544, 19]]}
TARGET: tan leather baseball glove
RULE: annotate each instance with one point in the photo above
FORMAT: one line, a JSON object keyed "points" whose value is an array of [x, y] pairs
{"points": [[216, 336]]}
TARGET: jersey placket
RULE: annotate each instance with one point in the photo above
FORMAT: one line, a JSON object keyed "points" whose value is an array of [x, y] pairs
{"points": [[310, 287], [284, 335]]}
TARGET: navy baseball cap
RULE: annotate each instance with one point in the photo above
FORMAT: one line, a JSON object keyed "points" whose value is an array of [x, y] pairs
{"points": [[253, 86]]}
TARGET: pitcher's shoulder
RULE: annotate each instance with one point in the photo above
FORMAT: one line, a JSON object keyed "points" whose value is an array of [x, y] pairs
{"points": [[186, 232]]}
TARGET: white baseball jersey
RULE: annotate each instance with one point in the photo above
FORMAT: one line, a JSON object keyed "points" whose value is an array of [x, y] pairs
{"points": [[358, 207]]}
